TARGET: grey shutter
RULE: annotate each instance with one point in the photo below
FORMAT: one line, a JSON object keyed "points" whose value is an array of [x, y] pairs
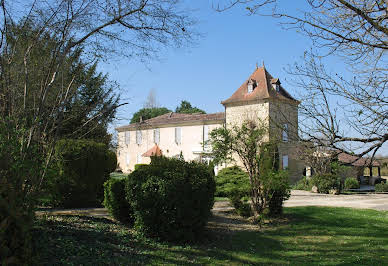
{"points": [[178, 135], [127, 137], [156, 135], [285, 132], [138, 137]]}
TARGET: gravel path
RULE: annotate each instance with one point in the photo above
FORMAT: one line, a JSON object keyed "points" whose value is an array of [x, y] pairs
{"points": [[360, 201]]}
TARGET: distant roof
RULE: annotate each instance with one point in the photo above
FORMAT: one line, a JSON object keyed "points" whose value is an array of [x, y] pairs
{"points": [[263, 89], [176, 118], [154, 151], [356, 161]]}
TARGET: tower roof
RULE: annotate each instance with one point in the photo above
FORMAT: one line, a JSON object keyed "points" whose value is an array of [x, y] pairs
{"points": [[262, 89]]}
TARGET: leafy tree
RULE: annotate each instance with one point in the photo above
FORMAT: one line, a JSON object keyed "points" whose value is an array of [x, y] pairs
{"points": [[248, 142], [147, 113], [186, 108]]}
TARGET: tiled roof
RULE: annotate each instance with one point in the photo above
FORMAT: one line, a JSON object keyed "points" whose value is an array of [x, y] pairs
{"points": [[154, 151], [176, 118], [356, 161], [263, 89]]}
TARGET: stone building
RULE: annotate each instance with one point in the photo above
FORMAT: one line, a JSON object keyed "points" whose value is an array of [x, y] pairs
{"points": [[260, 97]]}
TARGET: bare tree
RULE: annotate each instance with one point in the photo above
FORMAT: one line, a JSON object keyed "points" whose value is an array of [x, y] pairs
{"points": [[346, 113], [151, 101]]}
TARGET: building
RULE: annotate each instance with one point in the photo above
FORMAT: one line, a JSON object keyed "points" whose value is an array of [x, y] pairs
{"points": [[260, 97]]}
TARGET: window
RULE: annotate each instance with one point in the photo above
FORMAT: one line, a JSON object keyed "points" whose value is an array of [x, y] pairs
{"points": [[138, 137], [285, 132], [156, 135], [127, 137], [285, 161], [138, 160], [127, 158], [178, 135], [205, 133]]}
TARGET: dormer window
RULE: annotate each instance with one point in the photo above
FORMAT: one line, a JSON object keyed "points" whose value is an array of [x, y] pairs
{"points": [[275, 84], [251, 85]]}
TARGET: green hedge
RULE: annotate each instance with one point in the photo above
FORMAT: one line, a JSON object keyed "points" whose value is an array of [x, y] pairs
{"points": [[382, 187], [351, 183], [80, 170], [171, 198], [303, 184], [326, 182], [115, 200], [230, 179]]}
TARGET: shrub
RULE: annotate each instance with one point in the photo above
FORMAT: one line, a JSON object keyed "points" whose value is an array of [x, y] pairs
{"points": [[351, 183], [230, 179], [82, 167], [303, 184], [111, 161], [137, 166], [171, 198], [382, 187], [325, 182], [115, 200], [279, 191]]}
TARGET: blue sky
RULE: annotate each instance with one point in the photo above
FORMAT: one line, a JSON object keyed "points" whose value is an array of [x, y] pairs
{"points": [[210, 71]]}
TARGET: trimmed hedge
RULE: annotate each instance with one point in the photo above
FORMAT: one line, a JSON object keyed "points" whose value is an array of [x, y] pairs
{"points": [[230, 179], [81, 168], [115, 200], [326, 182], [303, 184], [351, 183], [171, 198], [382, 187]]}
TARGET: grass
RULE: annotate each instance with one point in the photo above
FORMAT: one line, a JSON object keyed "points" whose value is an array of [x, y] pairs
{"points": [[118, 175], [304, 236], [221, 199]]}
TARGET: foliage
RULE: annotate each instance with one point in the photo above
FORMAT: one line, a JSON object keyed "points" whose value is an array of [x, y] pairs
{"points": [[83, 166], [115, 200], [277, 184], [382, 187], [303, 184], [18, 184], [326, 182], [186, 108], [171, 198], [232, 178], [351, 183], [111, 161], [82, 240], [139, 165], [147, 113]]}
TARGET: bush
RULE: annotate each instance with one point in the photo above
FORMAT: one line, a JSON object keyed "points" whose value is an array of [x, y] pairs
{"points": [[382, 187], [326, 182], [137, 166], [111, 161], [115, 200], [81, 168], [303, 184], [171, 198], [230, 179], [279, 191], [351, 183]]}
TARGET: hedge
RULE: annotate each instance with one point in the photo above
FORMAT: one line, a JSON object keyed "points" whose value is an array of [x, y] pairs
{"points": [[171, 198], [115, 201]]}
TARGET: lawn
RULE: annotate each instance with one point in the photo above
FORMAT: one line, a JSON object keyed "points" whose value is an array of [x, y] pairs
{"points": [[304, 236]]}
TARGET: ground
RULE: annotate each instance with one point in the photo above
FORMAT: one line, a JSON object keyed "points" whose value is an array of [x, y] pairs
{"points": [[360, 201]]}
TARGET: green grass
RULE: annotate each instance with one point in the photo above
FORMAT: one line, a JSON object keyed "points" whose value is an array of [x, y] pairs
{"points": [[118, 175], [221, 199], [305, 236]]}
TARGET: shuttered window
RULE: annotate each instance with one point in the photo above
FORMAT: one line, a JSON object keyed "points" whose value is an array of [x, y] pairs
{"points": [[127, 137], [205, 133], [138, 137], [178, 135], [127, 158], [156, 135], [285, 132], [285, 161]]}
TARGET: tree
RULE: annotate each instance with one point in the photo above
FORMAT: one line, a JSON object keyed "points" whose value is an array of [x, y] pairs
{"points": [[357, 32], [147, 113], [151, 101], [249, 143], [186, 108]]}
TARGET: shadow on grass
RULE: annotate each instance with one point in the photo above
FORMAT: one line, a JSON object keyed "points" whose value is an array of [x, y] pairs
{"points": [[305, 235]]}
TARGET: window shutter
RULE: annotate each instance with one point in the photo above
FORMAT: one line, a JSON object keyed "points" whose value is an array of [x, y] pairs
{"points": [[138, 137], [205, 133], [127, 158], [156, 135], [178, 135], [285, 132], [285, 161], [127, 137]]}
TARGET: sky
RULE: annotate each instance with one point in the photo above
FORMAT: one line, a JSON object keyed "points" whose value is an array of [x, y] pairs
{"points": [[211, 70]]}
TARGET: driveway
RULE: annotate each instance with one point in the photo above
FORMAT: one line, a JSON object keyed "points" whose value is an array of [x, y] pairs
{"points": [[360, 201]]}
